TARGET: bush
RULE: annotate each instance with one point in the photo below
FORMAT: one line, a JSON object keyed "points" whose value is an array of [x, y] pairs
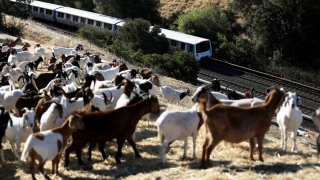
{"points": [[97, 36], [136, 35], [14, 28]]}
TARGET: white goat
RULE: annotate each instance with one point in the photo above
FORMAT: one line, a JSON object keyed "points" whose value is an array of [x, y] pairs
{"points": [[24, 56], [58, 51], [289, 118], [174, 95], [109, 74], [49, 145], [113, 93], [21, 129], [53, 117], [178, 125], [9, 98]]}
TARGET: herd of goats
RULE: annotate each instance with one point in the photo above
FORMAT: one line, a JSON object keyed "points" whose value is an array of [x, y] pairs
{"points": [[85, 101]]}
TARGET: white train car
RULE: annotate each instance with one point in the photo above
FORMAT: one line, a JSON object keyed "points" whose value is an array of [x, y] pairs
{"points": [[41, 10], [79, 18], [199, 47]]}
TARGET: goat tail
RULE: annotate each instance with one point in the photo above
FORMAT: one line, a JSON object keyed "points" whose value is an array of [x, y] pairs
{"points": [[25, 153]]}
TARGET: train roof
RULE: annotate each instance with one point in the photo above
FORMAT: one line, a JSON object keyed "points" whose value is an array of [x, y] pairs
{"points": [[89, 15], [182, 37], [45, 5], [177, 36]]}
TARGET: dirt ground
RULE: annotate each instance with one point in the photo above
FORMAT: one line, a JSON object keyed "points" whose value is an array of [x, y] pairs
{"points": [[228, 161]]}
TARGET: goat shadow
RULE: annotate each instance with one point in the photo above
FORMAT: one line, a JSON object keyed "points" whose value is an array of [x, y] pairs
{"points": [[277, 168], [10, 166], [129, 166]]}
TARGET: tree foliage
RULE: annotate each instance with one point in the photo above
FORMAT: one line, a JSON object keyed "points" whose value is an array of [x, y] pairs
{"points": [[136, 35], [221, 28], [288, 27]]}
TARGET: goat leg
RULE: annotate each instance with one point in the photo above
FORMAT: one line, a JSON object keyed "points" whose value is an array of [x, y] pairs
{"points": [[91, 146], [31, 166], [66, 158], [204, 149], [119, 153], [78, 153], [133, 144], [260, 147], [41, 169], [252, 147], [185, 148], [101, 149]]}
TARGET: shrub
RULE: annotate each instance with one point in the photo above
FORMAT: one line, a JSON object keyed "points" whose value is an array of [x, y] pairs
{"points": [[97, 36]]}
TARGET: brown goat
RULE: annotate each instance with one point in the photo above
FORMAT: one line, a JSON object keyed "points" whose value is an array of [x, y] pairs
{"points": [[114, 124], [237, 124]]}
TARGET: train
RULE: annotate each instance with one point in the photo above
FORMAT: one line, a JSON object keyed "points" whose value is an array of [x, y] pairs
{"points": [[198, 46]]}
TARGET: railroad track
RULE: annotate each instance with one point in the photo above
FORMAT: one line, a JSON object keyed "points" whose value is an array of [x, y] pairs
{"points": [[243, 79]]}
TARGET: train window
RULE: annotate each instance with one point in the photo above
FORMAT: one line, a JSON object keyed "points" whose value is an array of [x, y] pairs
{"points": [[182, 45], [108, 26], [35, 9], [82, 20], [75, 18], [190, 48], [203, 46], [68, 16], [60, 15], [98, 23], [90, 21], [41, 10], [49, 12], [173, 43]]}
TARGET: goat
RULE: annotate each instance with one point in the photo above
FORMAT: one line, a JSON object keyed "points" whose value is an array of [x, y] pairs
{"points": [[124, 99], [236, 124], [58, 51], [110, 74], [174, 95], [5, 119], [289, 118], [145, 73], [9, 98], [174, 125], [20, 130], [53, 116], [28, 100], [49, 145], [105, 126]]}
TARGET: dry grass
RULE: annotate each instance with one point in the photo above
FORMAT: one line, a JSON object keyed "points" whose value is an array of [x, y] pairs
{"points": [[168, 7], [228, 161]]}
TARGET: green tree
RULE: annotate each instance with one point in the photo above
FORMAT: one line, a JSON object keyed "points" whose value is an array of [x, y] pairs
{"points": [[287, 27], [136, 35], [221, 28]]}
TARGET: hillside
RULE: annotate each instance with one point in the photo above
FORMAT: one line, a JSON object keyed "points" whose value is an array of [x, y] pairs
{"points": [[228, 161], [168, 7]]}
